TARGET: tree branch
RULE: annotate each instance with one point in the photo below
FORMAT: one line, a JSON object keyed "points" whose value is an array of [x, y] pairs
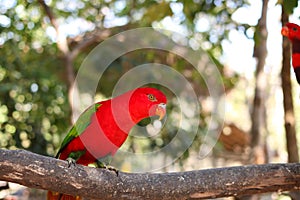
{"points": [[62, 45], [95, 38], [61, 38], [42, 172], [80, 42]]}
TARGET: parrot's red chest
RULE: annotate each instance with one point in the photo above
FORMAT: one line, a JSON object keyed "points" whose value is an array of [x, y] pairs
{"points": [[100, 138]]}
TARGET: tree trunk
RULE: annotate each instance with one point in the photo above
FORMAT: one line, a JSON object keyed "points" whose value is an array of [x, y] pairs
{"points": [[68, 58], [42, 172], [258, 127], [289, 116]]}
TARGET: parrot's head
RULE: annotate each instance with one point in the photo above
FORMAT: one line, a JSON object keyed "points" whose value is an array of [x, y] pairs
{"points": [[291, 31], [146, 102]]}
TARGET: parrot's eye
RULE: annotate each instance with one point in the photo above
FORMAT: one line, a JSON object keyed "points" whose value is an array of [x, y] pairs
{"points": [[151, 97], [294, 29]]}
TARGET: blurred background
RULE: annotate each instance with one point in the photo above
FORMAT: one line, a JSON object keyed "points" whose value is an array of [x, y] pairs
{"points": [[43, 43]]}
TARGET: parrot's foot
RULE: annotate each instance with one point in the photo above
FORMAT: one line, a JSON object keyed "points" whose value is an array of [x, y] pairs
{"points": [[102, 165], [112, 169], [71, 161]]}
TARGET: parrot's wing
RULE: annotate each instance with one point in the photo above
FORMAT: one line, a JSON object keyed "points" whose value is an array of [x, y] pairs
{"points": [[81, 124]]}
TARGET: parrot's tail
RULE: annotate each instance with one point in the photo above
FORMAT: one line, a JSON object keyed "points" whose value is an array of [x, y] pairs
{"points": [[58, 196]]}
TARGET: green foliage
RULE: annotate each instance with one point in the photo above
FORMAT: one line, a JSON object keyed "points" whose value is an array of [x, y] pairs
{"points": [[289, 5], [33, 111]]}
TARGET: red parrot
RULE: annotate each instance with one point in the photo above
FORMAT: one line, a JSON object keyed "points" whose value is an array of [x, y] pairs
{"points": [[101, 129], [292, 31]]}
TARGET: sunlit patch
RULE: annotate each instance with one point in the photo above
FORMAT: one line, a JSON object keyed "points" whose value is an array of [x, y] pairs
{"points": [[157, 124]]}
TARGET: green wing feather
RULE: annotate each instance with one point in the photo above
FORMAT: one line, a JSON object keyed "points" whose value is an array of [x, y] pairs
{"points": [[83, 121]]}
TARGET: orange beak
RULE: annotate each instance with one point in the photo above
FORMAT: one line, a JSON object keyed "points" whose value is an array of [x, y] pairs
{"points": [[285, 31], [161, 110]]}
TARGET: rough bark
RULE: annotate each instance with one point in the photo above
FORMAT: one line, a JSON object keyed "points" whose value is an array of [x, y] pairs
{"points": [[289, 116], [42, 172]]}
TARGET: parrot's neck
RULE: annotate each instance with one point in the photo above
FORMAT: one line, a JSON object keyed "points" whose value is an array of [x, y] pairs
{"points": [[125, 115]]}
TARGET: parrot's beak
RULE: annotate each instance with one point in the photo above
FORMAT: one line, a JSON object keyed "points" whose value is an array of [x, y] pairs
{"points": [[285, 31], [161, 110]]}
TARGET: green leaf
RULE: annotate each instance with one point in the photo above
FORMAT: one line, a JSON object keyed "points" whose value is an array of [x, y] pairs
{"points": [[289, 5], [157, 12]]}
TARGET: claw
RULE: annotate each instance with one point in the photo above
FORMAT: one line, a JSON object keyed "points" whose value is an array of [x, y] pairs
{"points": [[71, 161], [110, 168]]}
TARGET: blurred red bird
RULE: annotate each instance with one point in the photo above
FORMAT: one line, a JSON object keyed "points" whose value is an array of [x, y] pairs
{"points": [[292, 32]]}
